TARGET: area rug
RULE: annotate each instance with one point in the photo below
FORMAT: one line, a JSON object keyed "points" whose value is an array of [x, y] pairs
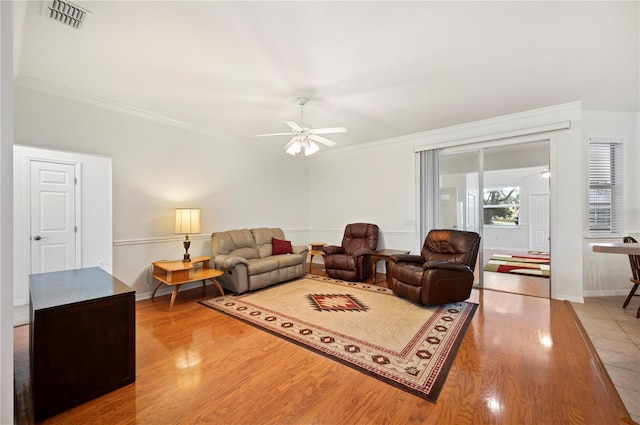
{"points": [[517, 264], [363, 326]]}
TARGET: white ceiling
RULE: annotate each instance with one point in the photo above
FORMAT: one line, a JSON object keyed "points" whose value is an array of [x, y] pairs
{"points": [[380, 69]]}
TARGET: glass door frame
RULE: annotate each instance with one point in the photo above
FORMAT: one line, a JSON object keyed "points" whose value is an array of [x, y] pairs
{"points": [[481, 150], [463, 214]]}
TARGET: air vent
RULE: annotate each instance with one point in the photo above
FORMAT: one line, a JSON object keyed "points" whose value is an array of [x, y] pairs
{"points": [[65, 12]]}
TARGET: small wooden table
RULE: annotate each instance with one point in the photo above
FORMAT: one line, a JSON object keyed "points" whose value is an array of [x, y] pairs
{"points": [[616, 248], [177, 273], [620, 248], [383, 255], [316, 249]]}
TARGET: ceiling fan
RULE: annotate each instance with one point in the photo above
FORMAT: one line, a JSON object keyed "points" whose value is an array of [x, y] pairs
{"points": [[305, 136], [545, 173]]}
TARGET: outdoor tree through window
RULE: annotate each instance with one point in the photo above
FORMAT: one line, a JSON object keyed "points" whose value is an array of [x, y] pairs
{"points": [[502, 206]]}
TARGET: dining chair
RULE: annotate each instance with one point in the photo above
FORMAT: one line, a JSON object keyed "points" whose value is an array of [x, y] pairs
{"points": [[634, 260]]}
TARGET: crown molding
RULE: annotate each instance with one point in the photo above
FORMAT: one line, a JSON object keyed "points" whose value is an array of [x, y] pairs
{"points": [[80, 96]]}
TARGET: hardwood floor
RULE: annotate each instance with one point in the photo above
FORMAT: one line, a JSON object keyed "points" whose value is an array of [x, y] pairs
{"points": [[517, 284], [514, 283], [523, 360]]}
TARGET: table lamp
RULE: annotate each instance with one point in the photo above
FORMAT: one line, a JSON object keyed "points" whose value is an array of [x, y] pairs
{"points": [[187, 221]]}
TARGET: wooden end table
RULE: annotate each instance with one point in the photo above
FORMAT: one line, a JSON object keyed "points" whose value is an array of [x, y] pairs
{"points": [[316, 249], [177, 273], [383, 255]]}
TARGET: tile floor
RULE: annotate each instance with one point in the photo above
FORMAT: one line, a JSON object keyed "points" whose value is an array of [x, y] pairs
{"points": [[615, 334]]}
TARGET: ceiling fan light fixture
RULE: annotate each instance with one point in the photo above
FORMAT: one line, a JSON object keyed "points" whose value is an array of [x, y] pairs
{"points": [[311, 148], [294, 149], [545, 173], [305, 137]]}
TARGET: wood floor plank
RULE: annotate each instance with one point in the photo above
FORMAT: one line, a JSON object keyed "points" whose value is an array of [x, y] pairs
{"points": [[522, 361]]}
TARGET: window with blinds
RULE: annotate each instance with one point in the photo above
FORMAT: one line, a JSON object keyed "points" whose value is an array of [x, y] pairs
{"points": [[605, 185]]}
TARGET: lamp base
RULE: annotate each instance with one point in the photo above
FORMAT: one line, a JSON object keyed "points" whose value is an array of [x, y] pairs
{"points": [[187, 257]]}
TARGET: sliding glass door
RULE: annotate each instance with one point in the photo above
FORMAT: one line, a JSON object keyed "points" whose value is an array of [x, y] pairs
{"points": [[516, 196], [460, 199], [501, 191]]}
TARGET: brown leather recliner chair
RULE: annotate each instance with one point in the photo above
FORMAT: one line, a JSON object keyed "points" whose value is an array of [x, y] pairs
{"points": [[442, 274], [351, 260]]}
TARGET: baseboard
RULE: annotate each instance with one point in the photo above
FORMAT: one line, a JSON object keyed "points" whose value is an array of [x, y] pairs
{"points": [[21, 315], [605, 292], [560, 297]]}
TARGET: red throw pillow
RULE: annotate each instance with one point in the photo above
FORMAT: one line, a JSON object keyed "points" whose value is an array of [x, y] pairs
{"points": [[281, 246]]}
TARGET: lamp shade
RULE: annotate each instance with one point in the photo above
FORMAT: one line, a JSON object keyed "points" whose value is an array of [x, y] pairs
{"points": [[187, 220]]}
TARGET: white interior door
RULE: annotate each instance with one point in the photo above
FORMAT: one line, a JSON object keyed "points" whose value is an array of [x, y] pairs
{"points": [[539, 226], [53, 216]]}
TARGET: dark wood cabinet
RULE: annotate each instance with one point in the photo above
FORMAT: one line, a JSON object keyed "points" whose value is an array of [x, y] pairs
{"points": [[82, 339]]}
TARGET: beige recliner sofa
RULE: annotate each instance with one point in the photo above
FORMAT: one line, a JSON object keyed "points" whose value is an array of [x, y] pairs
{"points": [[246, 258]]}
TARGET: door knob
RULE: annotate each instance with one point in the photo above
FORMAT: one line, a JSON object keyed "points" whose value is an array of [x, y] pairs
{"points": [[37, 238]]}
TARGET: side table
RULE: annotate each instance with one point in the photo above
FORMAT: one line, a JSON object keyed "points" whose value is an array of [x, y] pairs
{"points": [[177, 273], [383, 255], [316, 249]]}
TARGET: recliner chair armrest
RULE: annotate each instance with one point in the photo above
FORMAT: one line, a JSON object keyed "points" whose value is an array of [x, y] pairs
{"points": [[333, 249], [300, 249], [363, 251], [229, 261], [407, 258], [446, 265]]}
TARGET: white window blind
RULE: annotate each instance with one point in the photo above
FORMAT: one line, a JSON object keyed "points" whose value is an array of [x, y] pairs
{"points": [[605, 185]]}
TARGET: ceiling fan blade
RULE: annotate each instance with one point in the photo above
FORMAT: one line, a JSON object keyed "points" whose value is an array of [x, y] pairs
{"points": [[322, 140], [294, 125], [328, 130], [273, 134]]}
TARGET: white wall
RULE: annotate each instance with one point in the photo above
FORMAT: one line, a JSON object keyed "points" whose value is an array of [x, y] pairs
{"points": [[158, 167], [95, 229], [372, 184], [378, 183], [608, 274]]}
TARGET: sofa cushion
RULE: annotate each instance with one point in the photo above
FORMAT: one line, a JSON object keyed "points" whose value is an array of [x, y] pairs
{"points": [[262, 265], [263, 236], [288, 260], [235, 243], [281, 246]]}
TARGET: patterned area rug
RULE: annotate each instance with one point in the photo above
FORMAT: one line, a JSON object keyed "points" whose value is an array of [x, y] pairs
{"points": [[532, 266], [361, 325]]}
